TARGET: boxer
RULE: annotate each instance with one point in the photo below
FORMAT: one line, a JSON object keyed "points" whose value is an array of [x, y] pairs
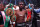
{"points": [[20, 14]]}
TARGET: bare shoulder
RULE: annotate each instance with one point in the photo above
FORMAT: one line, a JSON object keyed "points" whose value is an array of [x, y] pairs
{"points": [[16, 11], [24, 11]]}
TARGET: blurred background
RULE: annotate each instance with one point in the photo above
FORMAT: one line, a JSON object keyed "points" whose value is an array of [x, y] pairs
{"points": [[35, 2], [15, 2]]}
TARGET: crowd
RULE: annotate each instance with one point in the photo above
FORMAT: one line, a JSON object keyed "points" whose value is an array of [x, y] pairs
{"points": [[17, 16]]}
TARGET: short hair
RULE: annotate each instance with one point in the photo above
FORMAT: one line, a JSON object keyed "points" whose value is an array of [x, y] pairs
{"points": [[21, 2]]}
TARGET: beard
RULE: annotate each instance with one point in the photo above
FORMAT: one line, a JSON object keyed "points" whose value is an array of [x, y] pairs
{"points": [[20, 8]]}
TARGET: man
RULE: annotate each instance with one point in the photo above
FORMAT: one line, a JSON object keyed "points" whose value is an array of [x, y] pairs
{"points": [[29, 16], [36, 16], [29, 12], [20, 20], [1, 15]]}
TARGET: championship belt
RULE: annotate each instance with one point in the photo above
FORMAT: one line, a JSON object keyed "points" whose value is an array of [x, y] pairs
{"points": [[13, 18], [9, 12]]}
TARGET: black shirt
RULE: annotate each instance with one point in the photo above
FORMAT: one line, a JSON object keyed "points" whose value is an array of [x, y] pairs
{"points": [[1, 19], [36, 13]]}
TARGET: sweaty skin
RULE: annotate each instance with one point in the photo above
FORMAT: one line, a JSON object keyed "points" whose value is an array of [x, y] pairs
{"points": [[20, 16]]}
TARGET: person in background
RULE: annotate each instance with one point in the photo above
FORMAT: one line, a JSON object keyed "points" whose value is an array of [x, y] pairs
{"points": [[1, 15], [36, 16]]}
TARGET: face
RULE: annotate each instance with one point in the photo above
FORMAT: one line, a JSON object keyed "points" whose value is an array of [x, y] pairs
{"points": [[1, 7], [21, 5], [26, 7]]}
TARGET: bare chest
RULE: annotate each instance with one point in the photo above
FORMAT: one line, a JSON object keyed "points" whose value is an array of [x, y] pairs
{"points": [[21, 13]]}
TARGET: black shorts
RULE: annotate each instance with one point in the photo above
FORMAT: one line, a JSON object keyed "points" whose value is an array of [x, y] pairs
{"points": [[18, 25]]}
